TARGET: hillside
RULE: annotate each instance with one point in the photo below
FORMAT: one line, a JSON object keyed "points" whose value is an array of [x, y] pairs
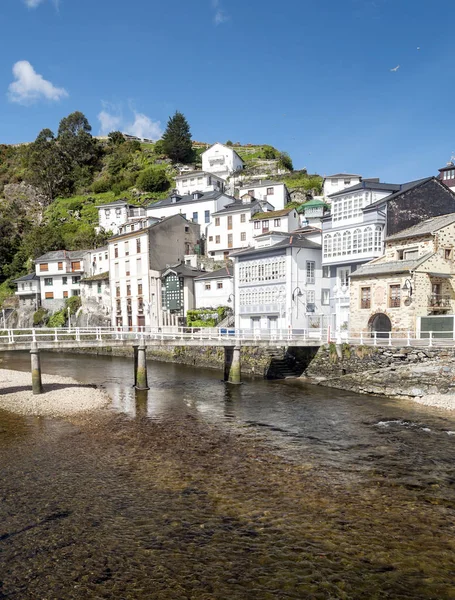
{"points": [[50, 188]]}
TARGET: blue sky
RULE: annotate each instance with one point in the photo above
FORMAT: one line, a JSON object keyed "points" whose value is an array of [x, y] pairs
{"points": [[310, 77]]}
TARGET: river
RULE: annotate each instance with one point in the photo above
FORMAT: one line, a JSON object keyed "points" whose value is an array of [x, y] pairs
{"points": [[201, 490]]}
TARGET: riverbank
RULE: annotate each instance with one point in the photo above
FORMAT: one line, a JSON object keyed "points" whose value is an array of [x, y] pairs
{"points": [[62, 396]]}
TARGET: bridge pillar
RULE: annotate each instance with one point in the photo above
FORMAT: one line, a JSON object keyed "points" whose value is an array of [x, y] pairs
{"points": [[37, 386], [141, 368], [232, 368]]}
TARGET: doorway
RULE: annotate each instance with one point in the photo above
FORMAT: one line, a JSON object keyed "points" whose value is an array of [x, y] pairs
{"points": [[381, 325]]}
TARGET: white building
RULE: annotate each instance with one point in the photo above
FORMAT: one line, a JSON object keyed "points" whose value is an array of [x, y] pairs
{"points": [[271, 191], [96, 261], [221, 160], [137, 258], [447, 175], [96, 299], [114, 214], [178, 293], [28, 291], [284, 221], [59, 273], [198, 181], [215, 289], [197, 207], [279, 285], [312, 212], [231, 228], [339, 182]]}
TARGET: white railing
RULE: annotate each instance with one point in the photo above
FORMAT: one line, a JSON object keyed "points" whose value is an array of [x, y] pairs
{"points": [[183, 334], [427, 339]]}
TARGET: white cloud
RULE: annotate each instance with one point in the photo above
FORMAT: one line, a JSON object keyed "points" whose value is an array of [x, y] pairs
{"points": [[36, 3], [30, 86], [142, 126], [220, 15]]}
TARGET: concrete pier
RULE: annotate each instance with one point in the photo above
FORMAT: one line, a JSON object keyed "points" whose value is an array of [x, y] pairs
{"points": [[232, 367], [37, 386], [141, 368]]}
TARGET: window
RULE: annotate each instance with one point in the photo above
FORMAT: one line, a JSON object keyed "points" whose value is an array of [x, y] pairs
{"points": [[394, 296], [337, 244], [277, 222], [118, 305], [325, 297], [310, 267], [128, 289], [365, 297], [357, 241], [76, 279], [257, 225], [270, 191], [368, 239], [230, 240], [44, 267], [138, 245], [107, 212], [326, 272], [138, 266], [119, 321], [210, 238], [410, 254], [243, 236], [347, 242], [251, 193], [49, 295], [207, 216], [75, 292], [99, 288], [265, 226], [76, 265], [217, 239], [207, 286], [117, 290], [127, 268], [64, 280], [219, 285], [115, 251], [243, 218], [229, 222], [116, 270], [310, 300], [195, 217], [60, 266], [448, 253], [217, 221], [106, 256], [327, 246], [378, 239], [127, 248], [140, 304], [65, 294], [347, 182], [343, 277], [48, 281]]}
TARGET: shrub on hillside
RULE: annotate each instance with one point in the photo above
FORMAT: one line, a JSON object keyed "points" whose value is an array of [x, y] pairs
{"points": [[39, 317], [57, 319], [153, 180], [73, 303], [102, 185], [285, 161]]}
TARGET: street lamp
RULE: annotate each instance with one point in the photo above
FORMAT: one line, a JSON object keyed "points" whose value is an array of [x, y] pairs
{"points": [[231, 298], [407, 287], [297, 293]]}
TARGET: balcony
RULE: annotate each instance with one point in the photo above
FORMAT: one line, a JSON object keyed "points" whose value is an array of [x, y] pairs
{"points": [[436, 301]]}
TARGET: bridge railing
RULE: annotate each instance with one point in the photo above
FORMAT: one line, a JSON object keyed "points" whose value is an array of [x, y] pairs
{"points": [[109, 334], [427, 339]]}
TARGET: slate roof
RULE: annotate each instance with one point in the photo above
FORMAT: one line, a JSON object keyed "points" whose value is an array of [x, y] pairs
{"points": [[237, 205], [341, 175], [61, 255], [97, 277], [218, 274], [425, 227], [116, 203], [292, 240], [368, 185], [261, 183], [393, 266], [29, 277], [187, 199], [272, 213], [404, 187], [184, 270]]}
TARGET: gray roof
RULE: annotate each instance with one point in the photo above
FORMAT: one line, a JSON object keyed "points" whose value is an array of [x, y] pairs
{"points": [[425, 227], [260, 183], [404, 187], [184, 270], [193, 173], [29, 277], [368, 185], [218, 274], [341, 175], [187, 199], [394, 266], [61, 255], [116, 203], [295, 240], [239, 205]]}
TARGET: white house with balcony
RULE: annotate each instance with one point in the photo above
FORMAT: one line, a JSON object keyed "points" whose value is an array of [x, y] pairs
{"points": [[279, 285], [231, 228], [114, 214], [274, 192], [59, 274], [222, 161], [28, 291], [339, 182], [215, 289], [198, 181], [284, 221]]}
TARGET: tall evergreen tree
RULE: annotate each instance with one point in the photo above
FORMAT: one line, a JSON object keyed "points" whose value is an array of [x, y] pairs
{"points": [[177, 139]]}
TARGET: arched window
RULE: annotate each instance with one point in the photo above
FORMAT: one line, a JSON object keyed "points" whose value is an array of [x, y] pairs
{"points": [[327, 246], [368, 239], [347, 242], [357, 241], [378, 238], [337, 244]]}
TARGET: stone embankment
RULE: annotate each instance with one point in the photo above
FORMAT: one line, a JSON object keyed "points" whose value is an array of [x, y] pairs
{"points": [[426, 375], [62, 396]]}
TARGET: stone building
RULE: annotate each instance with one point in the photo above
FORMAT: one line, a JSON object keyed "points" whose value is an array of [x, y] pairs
{"points": [[414, 278]]}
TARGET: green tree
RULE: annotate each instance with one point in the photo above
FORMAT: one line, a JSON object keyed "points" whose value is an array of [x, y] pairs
{"points": [[77, 144], [9, 244], [269, 152], [285, 161], [153, 180], [229, 143], [177, 139], [116, 138]]}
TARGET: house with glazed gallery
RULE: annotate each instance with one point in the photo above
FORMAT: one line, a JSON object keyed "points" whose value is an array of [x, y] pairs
{"points": [[414, 278]]}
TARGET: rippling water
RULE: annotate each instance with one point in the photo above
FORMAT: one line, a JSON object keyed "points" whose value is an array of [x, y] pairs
{"points": [[201, 490]]}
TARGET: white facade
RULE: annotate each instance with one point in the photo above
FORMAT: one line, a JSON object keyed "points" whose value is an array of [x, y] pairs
{"points": [[339, 182], [96, 261], [283, 221], [59, 274], [214, 289], [271, 191], [28, 291], [198, 181], [114, 214], [231, 228], [221, 160], [278, 285]]}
